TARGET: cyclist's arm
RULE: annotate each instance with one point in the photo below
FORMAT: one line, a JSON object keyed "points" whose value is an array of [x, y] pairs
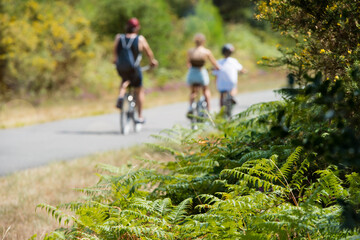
{"points": [[243, 70], [188, 64], [144, 46], [213, 60], [116, 42]]}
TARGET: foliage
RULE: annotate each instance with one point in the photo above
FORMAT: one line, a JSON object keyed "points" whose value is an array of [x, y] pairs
{"points": [[324, 64], [236, 11], [43, 46], [182, 8], [234, 183], [207, 20]]}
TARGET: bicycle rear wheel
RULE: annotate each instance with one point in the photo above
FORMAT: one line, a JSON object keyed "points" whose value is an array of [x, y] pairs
{"points": [[126, 115], [228, 103], [201, 109]]}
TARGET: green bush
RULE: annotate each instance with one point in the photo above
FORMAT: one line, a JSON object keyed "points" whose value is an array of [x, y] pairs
{"points": [[206, 20], [324, 64], [44, 47]]}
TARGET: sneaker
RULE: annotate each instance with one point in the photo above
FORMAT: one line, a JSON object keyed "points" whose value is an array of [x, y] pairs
{"points": [[140, 121], [233, 101], [119, 102]]}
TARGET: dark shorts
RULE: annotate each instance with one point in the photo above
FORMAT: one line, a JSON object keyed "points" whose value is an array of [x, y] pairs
{"points": [[134, 76]]}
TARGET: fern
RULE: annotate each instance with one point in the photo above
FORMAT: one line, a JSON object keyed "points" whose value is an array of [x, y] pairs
{"points": [[57, 213], [259, 173], [180, 212], [286, 168]]}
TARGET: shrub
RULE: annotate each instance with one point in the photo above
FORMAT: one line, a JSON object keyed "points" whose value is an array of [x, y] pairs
{"points": [[44, 47]]}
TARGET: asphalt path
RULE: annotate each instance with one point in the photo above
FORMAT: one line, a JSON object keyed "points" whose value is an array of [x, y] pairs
{"points": [[37, 145]]}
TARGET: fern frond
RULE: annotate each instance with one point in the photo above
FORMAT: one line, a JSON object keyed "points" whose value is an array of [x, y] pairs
{"points": [[113, 169], [198, 167], [140, 232], [131, 214], [331, 185], [161, 148], [166, 139], [255, 155], [299, 177], [286, 168], [56, 213], [180, 211], [162, 206]]}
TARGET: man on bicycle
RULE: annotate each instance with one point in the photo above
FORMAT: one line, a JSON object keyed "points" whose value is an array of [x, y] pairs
{"points": [[133, 44], [227, 76]]}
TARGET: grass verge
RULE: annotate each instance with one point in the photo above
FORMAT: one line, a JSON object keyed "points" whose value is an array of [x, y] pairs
{"points": [[54, 184]]}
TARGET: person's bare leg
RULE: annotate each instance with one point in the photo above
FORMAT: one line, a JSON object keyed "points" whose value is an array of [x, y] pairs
{"points": [[233, 91], [222, 94], [207, 95], [119, 101], [123, 88], [193, 93], [140, 97]]}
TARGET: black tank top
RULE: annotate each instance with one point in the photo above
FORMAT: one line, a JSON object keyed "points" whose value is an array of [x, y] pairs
{"points": [[134, 46]]}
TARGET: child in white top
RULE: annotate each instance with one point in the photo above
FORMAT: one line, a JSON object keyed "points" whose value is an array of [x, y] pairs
{"points": [[227, 76]]}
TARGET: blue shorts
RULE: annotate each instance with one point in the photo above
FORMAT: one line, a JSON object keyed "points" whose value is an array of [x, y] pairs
{"points": [[197, 76], [134, 76]]}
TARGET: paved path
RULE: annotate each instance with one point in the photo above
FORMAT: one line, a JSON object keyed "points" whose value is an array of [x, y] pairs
{"points": [[36, 145]]}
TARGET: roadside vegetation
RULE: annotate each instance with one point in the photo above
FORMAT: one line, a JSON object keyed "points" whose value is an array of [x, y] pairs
{"points": [[280, 170]]}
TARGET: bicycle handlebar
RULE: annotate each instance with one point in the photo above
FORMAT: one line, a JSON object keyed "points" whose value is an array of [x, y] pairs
{"points": [[145, 68]]}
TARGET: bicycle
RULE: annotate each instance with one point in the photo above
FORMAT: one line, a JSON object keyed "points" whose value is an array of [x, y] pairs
{"points": [[227, 103], [128, 113], [198, 109]]}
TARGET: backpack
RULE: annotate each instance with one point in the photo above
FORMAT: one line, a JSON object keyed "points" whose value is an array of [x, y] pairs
{"points": [[125, 61]]}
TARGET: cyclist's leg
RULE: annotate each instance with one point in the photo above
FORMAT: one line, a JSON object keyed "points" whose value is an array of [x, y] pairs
{"points": [[207, 94], [123, 88], [140, 97], [233, 92], [194, 89], [122, 92], [222, 96]]}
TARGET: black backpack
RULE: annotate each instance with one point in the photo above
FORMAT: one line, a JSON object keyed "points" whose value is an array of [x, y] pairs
{"points": [[125, 61]]}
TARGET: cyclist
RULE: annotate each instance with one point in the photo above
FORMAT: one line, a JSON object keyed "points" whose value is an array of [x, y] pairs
{"points": [[132, 77], [227, 76], [197, 73]]}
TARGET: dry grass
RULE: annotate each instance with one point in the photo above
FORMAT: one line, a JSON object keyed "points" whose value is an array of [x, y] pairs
{"points": [[18, 112], [52, 184]]}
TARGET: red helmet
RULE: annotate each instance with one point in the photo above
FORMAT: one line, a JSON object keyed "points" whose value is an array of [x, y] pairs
{"points": [[133, 22]]}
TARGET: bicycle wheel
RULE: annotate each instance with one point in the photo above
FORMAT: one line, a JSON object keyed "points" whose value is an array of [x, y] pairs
{"points": [[126, 115], [228, 105], [136, 125], [201, 109]]}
